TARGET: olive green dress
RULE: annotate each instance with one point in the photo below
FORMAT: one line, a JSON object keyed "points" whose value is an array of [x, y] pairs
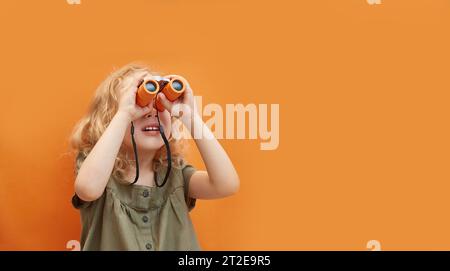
{"points": [[137, 217]]}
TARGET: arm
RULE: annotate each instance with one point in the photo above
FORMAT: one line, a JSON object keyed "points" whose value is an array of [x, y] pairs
{"points": [[220, 178], [96, 169]]}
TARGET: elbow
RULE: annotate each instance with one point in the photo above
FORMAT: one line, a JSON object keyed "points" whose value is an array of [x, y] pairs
{"points": [[85, 191], [232, 188], [236, 185]]}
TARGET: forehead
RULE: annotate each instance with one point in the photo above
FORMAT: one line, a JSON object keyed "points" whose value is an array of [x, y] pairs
{"points": [[135, 75], [141, 73]]}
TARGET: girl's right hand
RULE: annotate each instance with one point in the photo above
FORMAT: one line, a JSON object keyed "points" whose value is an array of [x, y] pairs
{"points": [[127, 99]]}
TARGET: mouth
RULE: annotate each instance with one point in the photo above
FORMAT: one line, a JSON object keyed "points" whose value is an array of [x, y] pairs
{"points": [[151, 128]]}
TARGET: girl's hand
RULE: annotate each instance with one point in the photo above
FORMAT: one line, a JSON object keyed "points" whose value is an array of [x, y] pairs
{"points": [[127, 99], [183, 107], [220, 179]]}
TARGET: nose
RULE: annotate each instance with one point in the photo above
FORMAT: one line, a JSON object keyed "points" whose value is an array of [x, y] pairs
{"points": [[151, 114]]}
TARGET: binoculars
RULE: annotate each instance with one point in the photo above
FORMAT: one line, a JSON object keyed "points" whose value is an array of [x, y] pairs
{"points": [[147, 90]]}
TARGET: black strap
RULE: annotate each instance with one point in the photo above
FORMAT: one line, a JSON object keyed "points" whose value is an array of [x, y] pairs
{"points": [[169, 154], [135, 153]]}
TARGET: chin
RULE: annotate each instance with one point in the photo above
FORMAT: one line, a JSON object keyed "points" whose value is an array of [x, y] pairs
{"points": [[149, 143]]}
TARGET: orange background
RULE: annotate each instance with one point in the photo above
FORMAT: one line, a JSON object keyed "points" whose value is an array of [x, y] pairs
{"points": [[363, 93]]}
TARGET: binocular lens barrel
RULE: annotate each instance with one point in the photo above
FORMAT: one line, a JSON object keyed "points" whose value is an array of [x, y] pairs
{"points": [[150, 86], [146, 92], [177, 85], [149, 89]]}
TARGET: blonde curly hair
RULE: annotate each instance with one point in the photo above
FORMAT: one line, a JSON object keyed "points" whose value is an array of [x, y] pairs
{"points": [[103, 107]]}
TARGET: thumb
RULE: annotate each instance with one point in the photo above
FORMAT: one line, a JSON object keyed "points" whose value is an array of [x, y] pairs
{"points": [[150, 105], [165, 102]]}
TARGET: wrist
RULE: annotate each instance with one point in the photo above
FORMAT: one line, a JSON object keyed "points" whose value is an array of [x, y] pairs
{"points": [[195, 125], [197, 119], [123, 116], [187, 118]]}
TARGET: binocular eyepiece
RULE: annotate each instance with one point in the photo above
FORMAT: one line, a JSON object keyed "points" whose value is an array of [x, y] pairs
{"points": [[147, 91]]}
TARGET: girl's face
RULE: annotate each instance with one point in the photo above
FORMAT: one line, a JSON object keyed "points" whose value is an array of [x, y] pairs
{"points": [[146, 128]]}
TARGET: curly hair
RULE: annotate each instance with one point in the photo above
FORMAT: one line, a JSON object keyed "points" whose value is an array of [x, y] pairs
{"points": [[103, 107]]}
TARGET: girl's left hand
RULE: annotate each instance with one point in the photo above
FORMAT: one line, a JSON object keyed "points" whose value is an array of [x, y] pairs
{"points": [[184, 107]]}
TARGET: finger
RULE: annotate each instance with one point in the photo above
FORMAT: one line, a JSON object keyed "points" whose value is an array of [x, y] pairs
{"points": [[140, 82], [143, 111], [173, 76], [150, 105], [137, 80], [187, 95], [179, 109], [165, 102], [132, 90], [170, 76], [188, 89]]}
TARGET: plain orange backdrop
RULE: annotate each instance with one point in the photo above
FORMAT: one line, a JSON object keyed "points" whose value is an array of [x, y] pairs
{"points": [[364, 116]]}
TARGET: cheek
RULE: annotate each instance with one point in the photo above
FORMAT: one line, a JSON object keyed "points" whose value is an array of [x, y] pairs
{"points": [[127, 138], [166, 122]]}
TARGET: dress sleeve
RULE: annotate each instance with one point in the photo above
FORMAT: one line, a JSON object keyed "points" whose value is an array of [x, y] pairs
{"points": [[188, 170], [78, 203]]}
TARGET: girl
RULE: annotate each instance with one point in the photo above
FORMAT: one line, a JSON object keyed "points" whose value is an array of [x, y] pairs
{"points": [[119, 215]]}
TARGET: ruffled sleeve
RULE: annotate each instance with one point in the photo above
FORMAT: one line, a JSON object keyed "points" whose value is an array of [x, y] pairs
{"points": [[188, 170], [78, 203]]}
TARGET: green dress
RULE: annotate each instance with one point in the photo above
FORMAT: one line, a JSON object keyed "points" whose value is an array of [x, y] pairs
{"points": [[137, 217]]}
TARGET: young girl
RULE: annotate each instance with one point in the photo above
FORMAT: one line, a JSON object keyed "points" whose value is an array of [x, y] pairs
{"points": [[119, 215]]}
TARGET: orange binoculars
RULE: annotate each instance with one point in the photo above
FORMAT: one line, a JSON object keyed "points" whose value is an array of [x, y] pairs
{"points": [[147, 90]]}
